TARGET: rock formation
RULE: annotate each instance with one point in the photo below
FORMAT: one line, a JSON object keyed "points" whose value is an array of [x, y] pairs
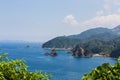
{"points": [[78, 51], [53, 52], [28, 46]]}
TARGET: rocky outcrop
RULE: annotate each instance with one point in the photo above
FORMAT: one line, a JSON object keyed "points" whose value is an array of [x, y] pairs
{"points": [[53, 53], [78, 51], [82, 51], [28, 46]]}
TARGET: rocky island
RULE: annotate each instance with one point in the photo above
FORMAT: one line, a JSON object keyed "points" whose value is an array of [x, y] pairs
{"points": [[52, 53]]}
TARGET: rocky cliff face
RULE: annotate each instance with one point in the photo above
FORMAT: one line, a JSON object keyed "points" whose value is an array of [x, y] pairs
{"points": [[78, 51]]}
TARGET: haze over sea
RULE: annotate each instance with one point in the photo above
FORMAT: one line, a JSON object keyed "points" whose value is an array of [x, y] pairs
{"points": [[63, 67]]}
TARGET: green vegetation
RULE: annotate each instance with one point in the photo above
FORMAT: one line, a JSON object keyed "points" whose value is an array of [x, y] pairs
{"points": [[104, 72], [107, 48], [98, 40], [17, 70], [103, 34], [94, 33], [98, 46], [61, 42]]}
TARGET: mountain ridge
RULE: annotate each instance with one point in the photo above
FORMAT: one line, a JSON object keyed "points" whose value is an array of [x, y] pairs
{"points": [[91, 32], [100, 33]]}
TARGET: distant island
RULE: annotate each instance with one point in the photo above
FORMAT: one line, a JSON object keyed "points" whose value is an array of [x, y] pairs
{"points": [[102, 41]]}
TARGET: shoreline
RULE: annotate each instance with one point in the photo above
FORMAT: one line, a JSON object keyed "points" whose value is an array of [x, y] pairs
{"points": [[94, 55], [58, 48], [101, 55]]}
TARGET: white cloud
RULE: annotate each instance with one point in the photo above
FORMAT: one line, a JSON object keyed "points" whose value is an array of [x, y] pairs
{"points": [[108, 16], [102, 21], [70, 19]]}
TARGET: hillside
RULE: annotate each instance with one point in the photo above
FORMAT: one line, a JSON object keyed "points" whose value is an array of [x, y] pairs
{"points": [[102, 34], [61, 42], [91, 32]]}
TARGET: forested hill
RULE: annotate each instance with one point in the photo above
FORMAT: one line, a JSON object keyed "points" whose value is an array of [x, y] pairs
{"points": [[98, 32], [61, 42], [91, 32], [102, 34]]}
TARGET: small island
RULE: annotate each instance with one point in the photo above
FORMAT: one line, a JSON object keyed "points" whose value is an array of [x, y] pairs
{"points": [[28, 46], [52, 53]]}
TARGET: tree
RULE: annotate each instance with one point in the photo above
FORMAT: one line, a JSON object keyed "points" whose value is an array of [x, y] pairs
{"points": [[104, 72], [17, 70]]}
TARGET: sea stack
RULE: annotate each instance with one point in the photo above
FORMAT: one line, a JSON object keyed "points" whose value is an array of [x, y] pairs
{"points": [[78, 51], [53, 52]]}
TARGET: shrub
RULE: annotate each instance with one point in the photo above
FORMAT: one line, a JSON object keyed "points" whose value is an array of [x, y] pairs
{"points": [[104, 72], [17, 70]]}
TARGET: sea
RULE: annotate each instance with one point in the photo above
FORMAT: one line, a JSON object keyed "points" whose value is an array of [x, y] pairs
{"points": [[63, 67]]}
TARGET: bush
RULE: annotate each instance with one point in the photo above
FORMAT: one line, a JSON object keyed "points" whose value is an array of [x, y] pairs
{"points": [[17, 70], [104, 72]]}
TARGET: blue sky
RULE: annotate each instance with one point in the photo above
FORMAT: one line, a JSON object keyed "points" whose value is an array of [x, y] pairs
{"points": [[42, 20]]}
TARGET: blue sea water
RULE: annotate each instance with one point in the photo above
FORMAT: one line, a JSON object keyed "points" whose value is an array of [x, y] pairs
{"points": [[63, 67]]}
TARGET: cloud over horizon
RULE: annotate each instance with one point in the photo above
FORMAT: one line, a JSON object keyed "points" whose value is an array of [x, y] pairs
{"points": [[109, 21], [70, 19], [108, 16]]}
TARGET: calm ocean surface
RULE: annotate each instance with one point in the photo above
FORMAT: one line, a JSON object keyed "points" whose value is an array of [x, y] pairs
{"points": [[63, 67]]}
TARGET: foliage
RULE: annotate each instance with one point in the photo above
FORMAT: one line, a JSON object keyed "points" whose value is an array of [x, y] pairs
{"points": [[91, 34], [61, 42], [104, 72], [98, 46], [98, 40], [108, 48], [17, 70]]}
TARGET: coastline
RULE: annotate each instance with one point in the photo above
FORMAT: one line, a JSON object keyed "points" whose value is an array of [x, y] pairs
{"points": [[58, 48], [101, 55], [94, 54]]}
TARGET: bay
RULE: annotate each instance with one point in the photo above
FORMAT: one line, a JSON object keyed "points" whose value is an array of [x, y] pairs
{"points": [[63, 67]]}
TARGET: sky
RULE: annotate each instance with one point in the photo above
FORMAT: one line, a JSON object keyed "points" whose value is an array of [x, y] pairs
{"points": [[42, 20]]}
